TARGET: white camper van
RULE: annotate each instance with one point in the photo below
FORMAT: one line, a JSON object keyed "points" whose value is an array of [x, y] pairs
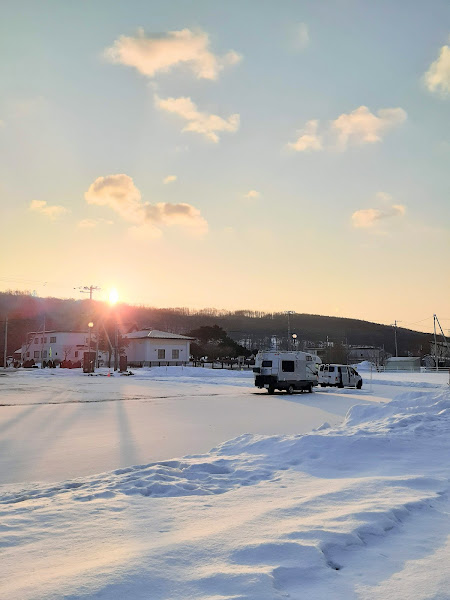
{"points": [[286, 371], [339, 376]]}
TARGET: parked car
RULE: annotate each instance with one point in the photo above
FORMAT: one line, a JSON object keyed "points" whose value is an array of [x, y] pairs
{"points": [[339, 376]]}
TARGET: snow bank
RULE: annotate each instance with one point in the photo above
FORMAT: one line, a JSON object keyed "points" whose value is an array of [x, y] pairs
{"points": [[256, 518]]}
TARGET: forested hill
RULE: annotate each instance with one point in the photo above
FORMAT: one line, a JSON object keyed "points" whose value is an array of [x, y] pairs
{"points": [[26, 313]]}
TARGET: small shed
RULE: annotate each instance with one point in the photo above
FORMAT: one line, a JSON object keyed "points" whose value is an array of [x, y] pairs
{"points": [[403, 363]]}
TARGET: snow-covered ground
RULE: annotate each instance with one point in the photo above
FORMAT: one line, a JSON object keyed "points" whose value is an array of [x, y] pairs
{"points": [[356, 509]]}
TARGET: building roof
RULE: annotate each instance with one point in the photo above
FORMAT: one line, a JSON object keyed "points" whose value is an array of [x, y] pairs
{"points": [[54, 331], [156, 334], [402, 358]]}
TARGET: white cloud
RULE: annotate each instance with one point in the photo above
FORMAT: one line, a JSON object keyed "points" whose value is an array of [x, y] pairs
{"points": [[52, 212], [355, 128], [169, 179], [119, 193], [161, 52], [363, 127], [199, 122], [369, 217], [437, 78], [252, 195], [308, 138]]}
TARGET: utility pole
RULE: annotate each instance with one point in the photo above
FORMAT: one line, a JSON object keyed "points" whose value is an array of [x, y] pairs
{"points": [[289, 313], [395, 336], [89, 289], [42, 345], [116, 347], [436, 360], [5, 353]]}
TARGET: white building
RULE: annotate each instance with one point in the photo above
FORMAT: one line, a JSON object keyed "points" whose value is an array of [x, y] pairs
{"points": [[403, 363], [56, 345], [151, 347]]}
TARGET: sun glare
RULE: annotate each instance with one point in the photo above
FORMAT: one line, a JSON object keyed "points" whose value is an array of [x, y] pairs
{"points": [[113, 296]]}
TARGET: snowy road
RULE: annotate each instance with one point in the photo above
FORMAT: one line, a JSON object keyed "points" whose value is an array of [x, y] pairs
{"points": [[56, 425]]}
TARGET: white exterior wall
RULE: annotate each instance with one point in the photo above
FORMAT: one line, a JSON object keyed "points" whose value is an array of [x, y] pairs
{"points": [[145, 350], [65, 347]]}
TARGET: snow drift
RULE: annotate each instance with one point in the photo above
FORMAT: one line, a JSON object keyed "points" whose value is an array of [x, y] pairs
{"points": [[257, 517]]}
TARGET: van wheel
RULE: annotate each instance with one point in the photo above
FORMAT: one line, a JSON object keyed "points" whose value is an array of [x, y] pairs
{"points": [[270, 390], [323, 385], [290, 389], [310, 388], [359, 385]]}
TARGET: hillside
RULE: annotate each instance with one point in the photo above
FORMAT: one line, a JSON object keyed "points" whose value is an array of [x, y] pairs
{"points": [[253, 329]]}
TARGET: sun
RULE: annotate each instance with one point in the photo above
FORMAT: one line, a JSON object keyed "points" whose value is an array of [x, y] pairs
{"points": [[113, 296]]}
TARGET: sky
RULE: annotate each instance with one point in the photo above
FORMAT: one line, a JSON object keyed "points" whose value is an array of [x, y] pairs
{"points": [[237, 155]]}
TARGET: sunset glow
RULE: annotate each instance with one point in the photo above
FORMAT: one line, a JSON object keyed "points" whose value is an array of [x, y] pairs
{"points": [[113, 296]]}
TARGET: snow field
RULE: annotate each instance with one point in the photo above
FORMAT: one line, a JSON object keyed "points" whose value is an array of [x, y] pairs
{"points": [[257, 517]]}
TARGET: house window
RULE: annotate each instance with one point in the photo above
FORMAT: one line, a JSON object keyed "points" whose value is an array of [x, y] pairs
{"points": [[36, 340], [161, 353], [76, 353], [36, 354], [28, 354], [53, 340], [45, 340], [44, 353], [175, 354]]}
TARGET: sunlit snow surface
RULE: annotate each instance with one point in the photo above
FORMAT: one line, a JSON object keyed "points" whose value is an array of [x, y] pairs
{"points": [[358, 509]]}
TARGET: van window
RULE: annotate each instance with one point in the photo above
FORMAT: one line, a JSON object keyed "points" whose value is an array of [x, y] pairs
{"points": [[288, 366], [266, 363], [331, 369], [322, 367]]}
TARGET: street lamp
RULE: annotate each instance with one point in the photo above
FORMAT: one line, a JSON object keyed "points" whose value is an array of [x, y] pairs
{"points": [[91, 368], [294, 339]]}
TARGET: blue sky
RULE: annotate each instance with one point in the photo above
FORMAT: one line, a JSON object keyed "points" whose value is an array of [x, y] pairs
{"points": [[350, 220]]}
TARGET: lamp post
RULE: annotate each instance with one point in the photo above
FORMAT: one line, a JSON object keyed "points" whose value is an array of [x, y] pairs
{"points": [[91, 366], [113, 298]]}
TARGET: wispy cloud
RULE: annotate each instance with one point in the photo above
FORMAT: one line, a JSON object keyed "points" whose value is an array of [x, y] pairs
{"points": [[199, 122], [308, 139], [437, 78], [358, 127], [169, 179], [52, 212], [252, 195], [119, 193], [159, 53], [369, 217], [91, 223], [302, 36]]}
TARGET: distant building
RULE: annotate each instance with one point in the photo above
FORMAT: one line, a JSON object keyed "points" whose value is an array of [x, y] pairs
{"points": [[151, 347], [442, 350], [403, 363], [357, 354], [55, 345]]}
